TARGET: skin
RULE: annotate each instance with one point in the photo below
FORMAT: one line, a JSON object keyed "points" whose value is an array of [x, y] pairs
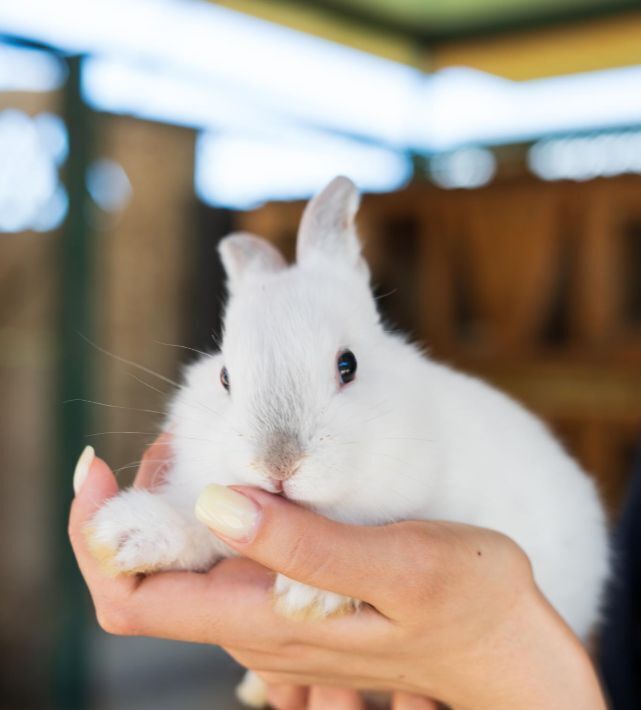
{"points": [[453, 612]]}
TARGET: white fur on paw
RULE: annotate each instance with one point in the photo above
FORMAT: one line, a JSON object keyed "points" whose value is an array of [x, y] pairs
{"points": [[300, 601], [137, 531], [251, 691]]}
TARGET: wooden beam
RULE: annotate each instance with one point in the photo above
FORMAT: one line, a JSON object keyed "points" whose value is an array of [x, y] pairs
{"points": [[579, 47]]}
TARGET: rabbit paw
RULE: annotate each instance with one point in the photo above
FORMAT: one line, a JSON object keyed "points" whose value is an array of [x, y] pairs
{"points": [[137, 532], [300, 601], [251, 691]]}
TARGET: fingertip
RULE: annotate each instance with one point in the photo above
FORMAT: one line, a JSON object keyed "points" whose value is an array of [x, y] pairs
{"points": [[287, 697], [82, 468], [101, 478], [229, 513], [321, 697], [409, 701], [155, 463], [98, 486], [263, 499], [94, 482]]}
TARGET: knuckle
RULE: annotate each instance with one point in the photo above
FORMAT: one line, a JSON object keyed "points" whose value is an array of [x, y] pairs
{"points": [[75, 534], [303, 559], [286, 697], [274, 678], [421, 550], [115, 619], [292, 649], [515, 559], [78, 531]]}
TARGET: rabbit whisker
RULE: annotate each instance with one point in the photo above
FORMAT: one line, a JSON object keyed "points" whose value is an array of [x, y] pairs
{"points": [[149, 433], [129, 409], [146, 384], [131, 363], [113, 406], [183, 347], [142, 368]]}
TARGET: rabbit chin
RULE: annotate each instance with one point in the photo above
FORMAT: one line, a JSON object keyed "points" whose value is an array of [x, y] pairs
{"points": [[310, 486]]}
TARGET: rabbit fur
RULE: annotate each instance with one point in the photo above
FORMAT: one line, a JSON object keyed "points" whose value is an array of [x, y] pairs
{"points": [[409, 438]]}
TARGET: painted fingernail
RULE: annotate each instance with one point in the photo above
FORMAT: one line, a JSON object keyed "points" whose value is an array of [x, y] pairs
{"points": [[228, 512], [82, 468]]}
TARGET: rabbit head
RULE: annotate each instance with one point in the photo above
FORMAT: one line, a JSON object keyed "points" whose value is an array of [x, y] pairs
{"points": [[306, 375]]}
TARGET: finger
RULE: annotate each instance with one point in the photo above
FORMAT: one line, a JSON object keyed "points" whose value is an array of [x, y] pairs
{"points": [[98, 486], [307, 680], [323, 697], [156, 462], [230, 605], [287, 697], [409, 701], [186, 606], [367, 563]]}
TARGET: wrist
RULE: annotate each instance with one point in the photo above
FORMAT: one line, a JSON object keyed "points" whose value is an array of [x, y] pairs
{"points": [[567, 676], [532, 660], [547, 665]]}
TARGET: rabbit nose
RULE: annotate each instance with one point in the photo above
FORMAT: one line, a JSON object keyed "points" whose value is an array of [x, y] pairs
{"points": [[281, 456], [281, 473]]}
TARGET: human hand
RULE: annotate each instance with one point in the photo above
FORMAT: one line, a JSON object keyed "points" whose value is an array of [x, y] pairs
{"points": [[453, 611]]}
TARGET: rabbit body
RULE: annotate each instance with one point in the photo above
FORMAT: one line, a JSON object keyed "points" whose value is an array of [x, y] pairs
{"points": [[408, 438]]}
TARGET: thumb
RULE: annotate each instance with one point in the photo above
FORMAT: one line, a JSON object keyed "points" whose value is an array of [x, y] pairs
{"points": [[93, 484], [357, 561]]}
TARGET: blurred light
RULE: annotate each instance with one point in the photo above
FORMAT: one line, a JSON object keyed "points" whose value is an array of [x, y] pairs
{"points": [[123, 87], [465, 168], [53, 212], [460, 106], [288, 72], [108, 185], [119, 87], [240, 172], [586, 157], [29, 70], [30, 149], [267, 71], [464, 106], [53, 136], [310, 108]]}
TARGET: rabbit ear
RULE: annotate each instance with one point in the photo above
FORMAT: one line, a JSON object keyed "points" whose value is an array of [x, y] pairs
{"points": [[244, 254], [327, 226]]}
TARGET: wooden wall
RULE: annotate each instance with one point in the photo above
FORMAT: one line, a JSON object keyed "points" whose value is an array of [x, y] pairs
{"points": [[142, 297], [144, 259], [535, 286], [28, 320]]}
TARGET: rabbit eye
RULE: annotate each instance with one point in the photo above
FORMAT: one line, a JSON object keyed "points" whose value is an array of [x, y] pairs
{"points": [[346, 365], [224, 378]]}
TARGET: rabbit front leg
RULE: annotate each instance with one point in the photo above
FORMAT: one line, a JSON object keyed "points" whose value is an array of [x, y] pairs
{"points": [[138, 531], [300, 601]]}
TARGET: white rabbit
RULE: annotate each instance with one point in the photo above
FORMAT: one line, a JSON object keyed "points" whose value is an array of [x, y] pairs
{"points": [[311, 397]]}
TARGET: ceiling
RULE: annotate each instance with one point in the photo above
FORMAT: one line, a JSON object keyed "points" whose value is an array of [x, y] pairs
{"points": [[516, 39], [434, 21]]}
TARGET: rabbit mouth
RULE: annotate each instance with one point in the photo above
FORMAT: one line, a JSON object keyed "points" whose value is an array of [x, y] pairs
{"points": [[278, 486]]}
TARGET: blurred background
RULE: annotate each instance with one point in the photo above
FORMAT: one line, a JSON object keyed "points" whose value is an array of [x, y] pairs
{"points": [[498, 144]]}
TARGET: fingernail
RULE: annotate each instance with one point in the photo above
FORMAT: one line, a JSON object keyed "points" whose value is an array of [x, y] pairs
{"points": [[228, 512], [82, 468]]}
